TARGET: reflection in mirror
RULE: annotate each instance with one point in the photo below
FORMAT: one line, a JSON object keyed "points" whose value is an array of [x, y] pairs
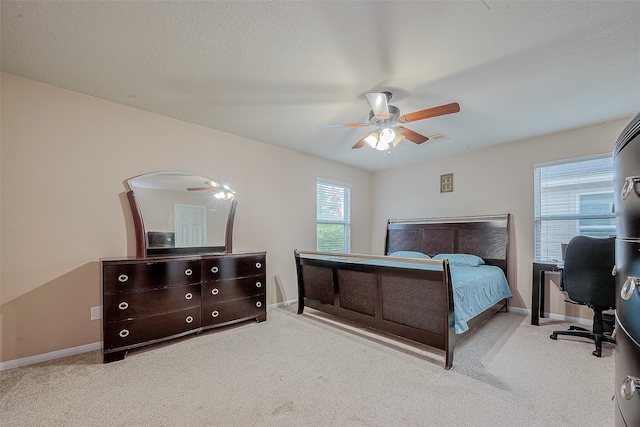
{"points": [[180, 212]]}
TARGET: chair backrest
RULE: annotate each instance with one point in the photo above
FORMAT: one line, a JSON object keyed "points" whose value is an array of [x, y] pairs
{"points": [[588, 265]]}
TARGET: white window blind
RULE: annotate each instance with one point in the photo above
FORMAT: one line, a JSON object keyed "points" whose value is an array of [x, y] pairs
{"points": [[333, 216], [573, 197]]}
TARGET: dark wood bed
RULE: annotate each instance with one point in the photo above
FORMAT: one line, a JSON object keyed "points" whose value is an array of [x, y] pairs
{"points": [[400, 299]]}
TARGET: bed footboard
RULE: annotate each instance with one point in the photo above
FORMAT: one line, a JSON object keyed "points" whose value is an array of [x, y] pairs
{"points": [[410, 303]]}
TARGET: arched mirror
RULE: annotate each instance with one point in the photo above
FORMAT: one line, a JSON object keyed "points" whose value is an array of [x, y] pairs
{"points": [[180, 213]]}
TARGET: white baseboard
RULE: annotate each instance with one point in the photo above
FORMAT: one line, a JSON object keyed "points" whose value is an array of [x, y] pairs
{"points": [[17, 363], [554, 316], [282, 304]]}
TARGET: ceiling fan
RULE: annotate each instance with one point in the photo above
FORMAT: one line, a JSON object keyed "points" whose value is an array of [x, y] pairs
{"points": [[387, 120], [222, 191]]}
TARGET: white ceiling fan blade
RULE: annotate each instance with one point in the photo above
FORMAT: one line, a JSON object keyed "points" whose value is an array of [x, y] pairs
{"points": [[379, 105]]}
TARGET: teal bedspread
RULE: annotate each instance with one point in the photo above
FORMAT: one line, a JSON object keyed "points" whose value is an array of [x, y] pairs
{"points": [[475, 289]]}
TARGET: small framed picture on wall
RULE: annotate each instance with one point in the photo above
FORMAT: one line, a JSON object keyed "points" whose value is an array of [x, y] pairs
{"points": [[446, 183]]}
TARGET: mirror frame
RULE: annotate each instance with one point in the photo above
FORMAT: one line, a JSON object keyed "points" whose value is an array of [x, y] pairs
{"points": [[143, 251]]}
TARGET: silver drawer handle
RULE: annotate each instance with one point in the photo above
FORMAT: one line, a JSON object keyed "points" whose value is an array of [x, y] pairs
{"points": [[258, 265], [258, 284], [123, 278], [189, 295], [123, 305], [214, 291], [215, 313], [188, 272], [214, 269], [124, 333], [629, 183], [189, 319], [628, 387], [258, 304], [628, 287]]}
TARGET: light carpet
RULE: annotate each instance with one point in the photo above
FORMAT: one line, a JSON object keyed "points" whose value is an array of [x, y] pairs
{"points": [[309, 369]]}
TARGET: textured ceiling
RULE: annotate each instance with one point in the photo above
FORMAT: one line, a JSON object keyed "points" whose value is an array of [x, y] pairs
{"points": [[271, 70]]}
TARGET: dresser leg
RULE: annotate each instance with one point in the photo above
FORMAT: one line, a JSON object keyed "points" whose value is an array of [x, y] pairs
{"points": [[261, 318], [113, 357]]}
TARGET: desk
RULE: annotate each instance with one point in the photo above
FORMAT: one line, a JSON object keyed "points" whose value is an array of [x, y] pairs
{"points": [[537, 299]]}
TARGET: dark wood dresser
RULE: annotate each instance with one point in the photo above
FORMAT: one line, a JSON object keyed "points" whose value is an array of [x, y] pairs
{"points": [[233, 287], [149, 300], [626, 165]]}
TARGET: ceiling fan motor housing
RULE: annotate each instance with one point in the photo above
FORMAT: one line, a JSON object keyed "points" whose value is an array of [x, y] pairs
{"points": [[394, 113]]}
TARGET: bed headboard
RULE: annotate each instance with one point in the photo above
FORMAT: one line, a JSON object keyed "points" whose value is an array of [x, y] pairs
{"points": [[484, 236]]}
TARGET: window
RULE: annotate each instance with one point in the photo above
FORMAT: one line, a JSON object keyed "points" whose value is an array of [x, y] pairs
{"points": [[333, 216], [573, 197]]}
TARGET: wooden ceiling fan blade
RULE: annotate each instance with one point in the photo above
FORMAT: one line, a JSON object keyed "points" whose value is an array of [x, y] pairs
{"points": [[412, 136], [342, 125], [199, 188], [362, 141], [379, 105], [359, 144], [454, 107]]}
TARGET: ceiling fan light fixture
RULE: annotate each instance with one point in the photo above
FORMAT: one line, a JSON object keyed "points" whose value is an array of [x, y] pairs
{"points": [[371, 140], [387, 135], [224, 191], [382, 146], [399, 137], [222, 195]]}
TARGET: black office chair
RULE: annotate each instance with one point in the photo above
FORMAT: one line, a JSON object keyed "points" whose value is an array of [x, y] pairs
{"points": [[588, 279]]}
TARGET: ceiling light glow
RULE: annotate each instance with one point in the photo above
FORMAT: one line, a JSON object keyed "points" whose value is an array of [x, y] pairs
{"points": [[387, 135], [371, 140]]}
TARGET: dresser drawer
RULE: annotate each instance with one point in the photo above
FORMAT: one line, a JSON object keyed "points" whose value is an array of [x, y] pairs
{"points": [[229, 267], [147, 275], [626, 178], [628, 283], [127, 332], [123, 305], [627, 364], [245, 308], [224, 290]]}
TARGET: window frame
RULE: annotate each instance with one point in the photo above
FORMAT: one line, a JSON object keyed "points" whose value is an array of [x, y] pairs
{"points": [[345, 221], [577, 185]]}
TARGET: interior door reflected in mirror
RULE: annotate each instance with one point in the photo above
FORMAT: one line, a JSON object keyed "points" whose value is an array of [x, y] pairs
{"points": [[181, 213]]}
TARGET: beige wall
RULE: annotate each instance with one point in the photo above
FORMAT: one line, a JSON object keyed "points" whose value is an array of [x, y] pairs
{"points": [[64, 159], [490, 181]]}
